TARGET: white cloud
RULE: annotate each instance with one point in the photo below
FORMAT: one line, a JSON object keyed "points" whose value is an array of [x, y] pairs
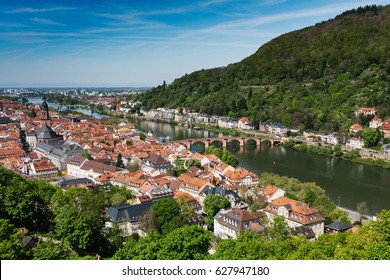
{"points": [[38, 10], [47, 21]]}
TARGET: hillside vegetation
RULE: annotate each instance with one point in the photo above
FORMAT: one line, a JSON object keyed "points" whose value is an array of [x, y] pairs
{"points": [[310, 78]]}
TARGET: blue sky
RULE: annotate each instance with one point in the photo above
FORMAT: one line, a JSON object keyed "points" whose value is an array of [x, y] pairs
{"points": [[142, 43]]}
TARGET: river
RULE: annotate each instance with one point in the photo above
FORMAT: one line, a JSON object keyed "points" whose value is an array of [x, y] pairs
{"points": [[345, 182], [59, 106]]}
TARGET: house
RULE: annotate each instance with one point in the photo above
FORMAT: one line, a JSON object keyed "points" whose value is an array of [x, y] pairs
{"points": [[157, 162], [271, 193], [355, 143], [386, 149], [43, 168], [90, 168], [229, 223], [355, 128], [365, 111], [128, 217], [276, 128], [227, 123], [376, 122], [337, 227], [296, 214], [241, 177], [232, 196], [385, 128], [244, 123]]}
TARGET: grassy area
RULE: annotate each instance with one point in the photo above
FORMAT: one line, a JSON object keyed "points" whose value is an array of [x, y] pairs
{"points": [[376, 162]]}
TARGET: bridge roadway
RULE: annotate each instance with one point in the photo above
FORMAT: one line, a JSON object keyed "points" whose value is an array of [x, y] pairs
{"points": [[225, 140]]}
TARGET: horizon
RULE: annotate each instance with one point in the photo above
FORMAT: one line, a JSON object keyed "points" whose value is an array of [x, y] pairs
{"points": [[100, 44]]}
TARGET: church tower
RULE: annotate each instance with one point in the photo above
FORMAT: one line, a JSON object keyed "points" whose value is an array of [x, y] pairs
{"points": [[45, 110]]}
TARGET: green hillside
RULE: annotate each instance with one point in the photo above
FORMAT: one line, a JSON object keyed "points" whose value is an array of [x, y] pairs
{"points": [[310, 78]]}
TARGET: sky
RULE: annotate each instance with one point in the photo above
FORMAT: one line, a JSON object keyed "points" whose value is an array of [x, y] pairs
{"points": [[142, 43]]}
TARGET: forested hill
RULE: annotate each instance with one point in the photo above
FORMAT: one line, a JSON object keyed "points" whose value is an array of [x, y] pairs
{"points": [[310, 78]]}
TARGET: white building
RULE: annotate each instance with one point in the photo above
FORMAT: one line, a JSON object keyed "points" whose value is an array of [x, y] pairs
{"points": [[355, 143], [296, 214], [229, 223]]}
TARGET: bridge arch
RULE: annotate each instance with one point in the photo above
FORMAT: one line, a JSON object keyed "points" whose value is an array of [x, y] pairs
{"points": [[219, 143]]}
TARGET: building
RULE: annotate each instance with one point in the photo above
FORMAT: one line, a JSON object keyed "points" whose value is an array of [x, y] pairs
{"points": [[229, 223], [157, 162], [337, 227], [59, 152], [277, 129], [244, 123], [80, 167], [355, 128], [271, 193], [43, 168], [231, 195], [365, 111], [296, 214], [355, 143], [376, 122], [241, 177]]}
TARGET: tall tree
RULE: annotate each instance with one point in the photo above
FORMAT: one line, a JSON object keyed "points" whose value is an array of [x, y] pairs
{"points": [[186, 243], [168, 217], [119, 161], [212, 205], [79, 218]]}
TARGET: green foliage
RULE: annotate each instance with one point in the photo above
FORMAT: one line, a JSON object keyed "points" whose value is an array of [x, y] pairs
{"points": [[119, 161], [371, 137], [339, 215], [278, 228], [51, 250], [167, 213], [308, 191], [118, 195], [140, 249], [211, 206], [86, 155], [25, 203], [11, 247], [186, 243], [309, 78], [350, 155], [371, 242], [142, 136], [226, 156], [79, 218]]}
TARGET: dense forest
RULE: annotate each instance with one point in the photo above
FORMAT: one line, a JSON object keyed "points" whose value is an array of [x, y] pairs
{"points": [[311, 78], [69, 224]]}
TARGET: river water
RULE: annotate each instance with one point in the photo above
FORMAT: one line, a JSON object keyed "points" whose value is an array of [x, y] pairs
{"points": [[345, 182], [58, 106]]}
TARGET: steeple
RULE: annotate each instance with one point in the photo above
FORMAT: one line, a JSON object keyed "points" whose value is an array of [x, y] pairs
{"points": [[45, 109]]}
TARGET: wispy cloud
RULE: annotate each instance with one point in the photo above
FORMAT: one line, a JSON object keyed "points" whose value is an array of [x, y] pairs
{"points": [[38, 10], [47, 21], [257, 21]]}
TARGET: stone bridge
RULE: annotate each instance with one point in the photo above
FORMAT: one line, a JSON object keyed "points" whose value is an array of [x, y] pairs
{"points": [[226, 140]]}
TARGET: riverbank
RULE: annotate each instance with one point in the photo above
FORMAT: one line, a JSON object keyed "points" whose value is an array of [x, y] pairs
{"points": [[336, 152]]}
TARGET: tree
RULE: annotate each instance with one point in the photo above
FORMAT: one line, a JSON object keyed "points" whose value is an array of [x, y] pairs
{"points": [[371, 137], [140, 249], [79, 218], [370, 242], [119, 161], [212, 205], [186, 208], [168, 215], [25, 203], [186, 243], [51, 250], [86, 155], [118, 195], [278, 228], [247, 246], [142, 136], [11, 247]]}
